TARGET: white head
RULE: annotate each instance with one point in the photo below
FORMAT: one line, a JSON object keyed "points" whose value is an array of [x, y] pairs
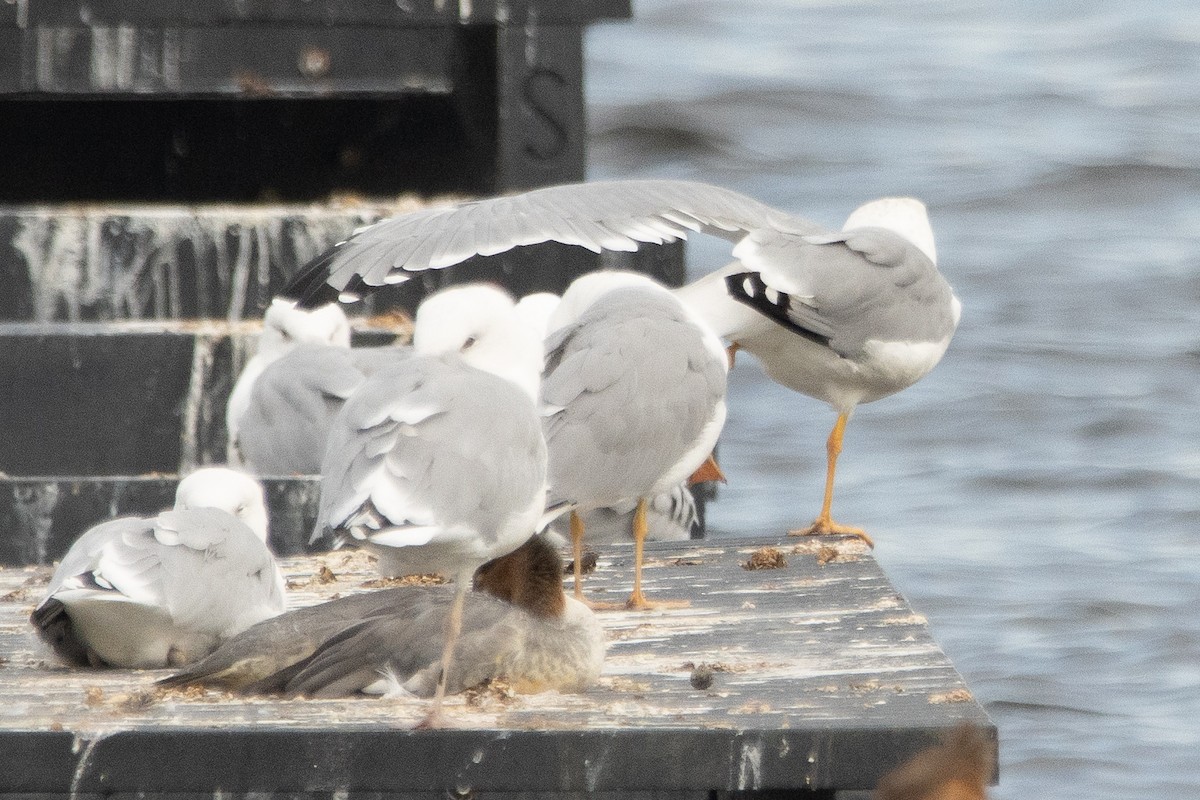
{"points": [[285, 326], [587, 289], [481, 323], [536, 309], [903, 215], [228, 490]]}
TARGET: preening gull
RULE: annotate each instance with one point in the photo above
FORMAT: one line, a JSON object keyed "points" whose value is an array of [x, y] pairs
{"points": [[166, 590], [285, 327], [438, 463], [517, 625], [860, 314], [633, 396], [846, 317]]}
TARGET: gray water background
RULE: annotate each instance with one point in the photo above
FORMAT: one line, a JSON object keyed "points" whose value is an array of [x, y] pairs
{"points": [[1037, 495]]}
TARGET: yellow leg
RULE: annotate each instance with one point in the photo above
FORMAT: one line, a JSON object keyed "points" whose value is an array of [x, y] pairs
{"points": [[453, 627], [824, 524], [637, 600], [731, 353]]}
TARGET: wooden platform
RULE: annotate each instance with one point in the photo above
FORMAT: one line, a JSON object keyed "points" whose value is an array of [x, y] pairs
{"points": [[823, 678]]}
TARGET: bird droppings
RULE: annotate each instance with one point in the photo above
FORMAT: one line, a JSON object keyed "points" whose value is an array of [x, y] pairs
{"points": [[955, 696], [135, 701], [765, 558], [778, 658], [847, 549], [490, 693], [827, 554], [93, 695], [426, 579], [686, 562], [620, 683]]}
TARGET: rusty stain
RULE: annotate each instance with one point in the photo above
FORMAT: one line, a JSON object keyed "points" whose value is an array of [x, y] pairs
{"points": [[253, 84], [314, 62]]}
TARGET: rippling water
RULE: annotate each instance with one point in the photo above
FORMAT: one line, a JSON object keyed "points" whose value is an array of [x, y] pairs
{"points": [[1037, 495]]}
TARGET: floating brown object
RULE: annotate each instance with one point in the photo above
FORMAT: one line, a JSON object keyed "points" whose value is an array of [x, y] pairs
{"points": [[958, 769]]}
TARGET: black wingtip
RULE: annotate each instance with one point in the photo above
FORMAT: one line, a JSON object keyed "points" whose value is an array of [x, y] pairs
{"points": [[750, 289], [310, 286], [56, 629]]}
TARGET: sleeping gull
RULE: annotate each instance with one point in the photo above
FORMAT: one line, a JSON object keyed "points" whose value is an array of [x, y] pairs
{"points": [[438, 464], [284, 328], [518, 625], [633, 396], [165, 590], [284, 427], [860, 314]]}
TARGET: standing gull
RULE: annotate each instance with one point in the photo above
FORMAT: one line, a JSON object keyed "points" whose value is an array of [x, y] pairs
{"points": [[633, 396], [670, 515], [852, 315], [438, 464], [846, 317], [166, 590]]}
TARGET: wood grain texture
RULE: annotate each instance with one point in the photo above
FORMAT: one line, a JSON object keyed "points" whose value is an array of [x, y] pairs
{"points": [[822, 677]]}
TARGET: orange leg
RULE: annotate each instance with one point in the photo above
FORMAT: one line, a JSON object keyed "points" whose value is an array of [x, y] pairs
{"points": [[824, 524], [637, 601]]}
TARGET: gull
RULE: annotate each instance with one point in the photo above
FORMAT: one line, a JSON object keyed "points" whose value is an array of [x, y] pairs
{"points": [[633, 396], [518, 625], [285, 425], [285, 327], [438, 464], [165, 590], [846, 316], [670, 515]]}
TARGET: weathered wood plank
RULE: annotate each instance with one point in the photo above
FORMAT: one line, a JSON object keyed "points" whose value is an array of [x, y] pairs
{"points": [[823, 677]]}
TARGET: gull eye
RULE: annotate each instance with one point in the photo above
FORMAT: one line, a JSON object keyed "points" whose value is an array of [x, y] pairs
{"points": [[469, 343]]}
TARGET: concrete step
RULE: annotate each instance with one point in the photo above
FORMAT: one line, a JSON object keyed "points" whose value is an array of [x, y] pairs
{"points": [[99, 262], [122, 398]]}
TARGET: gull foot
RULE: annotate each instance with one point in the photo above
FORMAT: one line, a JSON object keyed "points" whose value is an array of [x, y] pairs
{"points": [[638, 602]]}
